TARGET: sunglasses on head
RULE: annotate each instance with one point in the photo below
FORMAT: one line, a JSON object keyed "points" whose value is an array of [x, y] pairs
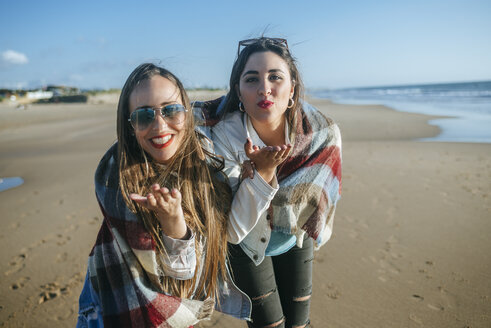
{"points": [[143, 117], [248, 42]]}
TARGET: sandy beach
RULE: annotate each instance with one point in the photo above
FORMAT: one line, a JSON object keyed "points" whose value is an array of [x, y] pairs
{"points": [[410, 244]]}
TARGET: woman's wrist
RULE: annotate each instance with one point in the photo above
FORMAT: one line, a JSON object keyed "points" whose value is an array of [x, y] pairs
{"points": [[174, 228], [267, 174]]}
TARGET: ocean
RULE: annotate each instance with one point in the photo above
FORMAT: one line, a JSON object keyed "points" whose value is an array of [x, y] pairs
{"points": [[467, 106]]}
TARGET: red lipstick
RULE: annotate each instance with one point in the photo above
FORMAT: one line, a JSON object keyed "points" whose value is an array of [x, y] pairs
{"points": [[265, 104], [163, 141]]}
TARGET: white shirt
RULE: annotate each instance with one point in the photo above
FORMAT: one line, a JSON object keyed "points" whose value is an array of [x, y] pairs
{"points": [[249, 220]]}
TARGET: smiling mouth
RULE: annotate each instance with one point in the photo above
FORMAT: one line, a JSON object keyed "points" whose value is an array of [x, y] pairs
{"points": [[265, 104], [160, 142]]}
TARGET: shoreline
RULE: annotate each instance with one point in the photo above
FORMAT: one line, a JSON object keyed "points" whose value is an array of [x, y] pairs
{"points": [[409, 246], [382, 121], [468, 128]]}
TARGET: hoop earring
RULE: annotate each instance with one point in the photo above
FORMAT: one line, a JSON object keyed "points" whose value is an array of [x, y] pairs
{"points": [[292, 101], [241, 107]]}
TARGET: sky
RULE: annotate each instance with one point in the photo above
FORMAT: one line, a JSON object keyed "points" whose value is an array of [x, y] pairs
{"points": [[338, 44]]}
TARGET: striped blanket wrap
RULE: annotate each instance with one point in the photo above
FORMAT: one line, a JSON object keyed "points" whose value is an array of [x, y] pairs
{"points": [[309, 179], [123, 265]]}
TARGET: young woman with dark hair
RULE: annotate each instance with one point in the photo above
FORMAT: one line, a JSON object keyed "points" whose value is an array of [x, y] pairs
{"points": [[295, 149]]}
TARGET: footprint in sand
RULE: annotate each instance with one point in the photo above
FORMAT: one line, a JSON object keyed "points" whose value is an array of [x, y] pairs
{"points": [[426, 270], [389, 266], [418, 297], [16, 264], [332, 291], [51, 291], [388, 257], [19, 283], [436, 307], [459, 277], [62, 240], [54, 289], [448, 299]]}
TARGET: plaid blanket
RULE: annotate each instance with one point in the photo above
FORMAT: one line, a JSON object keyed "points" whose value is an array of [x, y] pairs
{"points": [[123, 266], [309, 179]]}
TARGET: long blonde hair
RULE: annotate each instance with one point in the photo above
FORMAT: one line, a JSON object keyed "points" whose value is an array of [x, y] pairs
{"points": [[192, 170]]}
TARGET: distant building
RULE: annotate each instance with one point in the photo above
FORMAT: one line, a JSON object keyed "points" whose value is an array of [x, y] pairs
{"points": [[39, 94]]}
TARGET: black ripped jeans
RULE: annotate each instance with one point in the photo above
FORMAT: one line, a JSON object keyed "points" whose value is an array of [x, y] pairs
{"points": [[276, 284]]}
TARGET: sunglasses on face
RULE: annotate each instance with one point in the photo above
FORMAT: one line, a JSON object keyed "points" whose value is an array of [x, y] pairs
{"points": [[143, 117], [248, 42]]}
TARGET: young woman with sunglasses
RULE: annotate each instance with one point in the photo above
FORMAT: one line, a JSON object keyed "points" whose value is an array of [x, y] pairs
{"points": [[160, 255], [292, 144]]}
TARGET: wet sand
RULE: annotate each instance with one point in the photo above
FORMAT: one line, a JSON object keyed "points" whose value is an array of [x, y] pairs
{"points": [[410, 239]]}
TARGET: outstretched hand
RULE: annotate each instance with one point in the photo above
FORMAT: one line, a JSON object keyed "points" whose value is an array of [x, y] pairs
{"points": [[266, 159], [167, 206]]}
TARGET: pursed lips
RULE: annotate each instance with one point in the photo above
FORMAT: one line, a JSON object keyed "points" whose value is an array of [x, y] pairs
{"points": [[265, 104]]}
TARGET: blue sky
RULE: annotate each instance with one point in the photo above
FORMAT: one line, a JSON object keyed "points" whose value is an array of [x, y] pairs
{"points": [[96, 44]]}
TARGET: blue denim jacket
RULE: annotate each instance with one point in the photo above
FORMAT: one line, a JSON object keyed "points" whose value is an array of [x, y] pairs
{"points": [[89, 313]]}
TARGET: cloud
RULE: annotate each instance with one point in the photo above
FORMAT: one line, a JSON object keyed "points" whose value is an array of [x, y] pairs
{"points": [[11, 57]]}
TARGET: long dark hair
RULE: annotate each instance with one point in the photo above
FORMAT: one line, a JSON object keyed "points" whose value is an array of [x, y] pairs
{"points": [[205, 200], [264, 44]]}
